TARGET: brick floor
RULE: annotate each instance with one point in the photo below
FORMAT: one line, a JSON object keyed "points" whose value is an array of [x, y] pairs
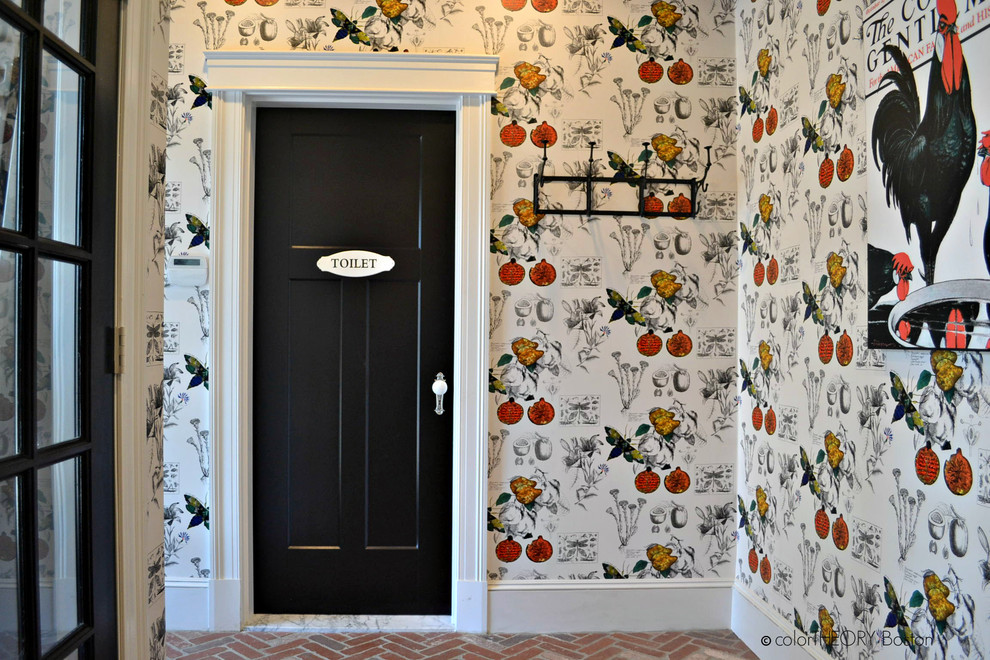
{"points": [[702, 645]]}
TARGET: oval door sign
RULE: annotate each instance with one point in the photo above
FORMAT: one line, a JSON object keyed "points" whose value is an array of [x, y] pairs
{"points": [[355, 263]]}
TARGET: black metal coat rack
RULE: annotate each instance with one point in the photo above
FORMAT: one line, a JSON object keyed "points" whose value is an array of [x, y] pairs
{"points": [[641, 182]]}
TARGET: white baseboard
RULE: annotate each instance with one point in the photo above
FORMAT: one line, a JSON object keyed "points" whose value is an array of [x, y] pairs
{"points": [[187, 604], [225, 605], [550, 606], [470, 615], [755, 623]]}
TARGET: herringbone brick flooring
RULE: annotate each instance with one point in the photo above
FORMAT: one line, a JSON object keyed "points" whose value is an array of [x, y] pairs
{"points": [[696, 645]]}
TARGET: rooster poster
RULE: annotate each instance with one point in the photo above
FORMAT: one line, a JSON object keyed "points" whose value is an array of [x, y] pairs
{"points": [[928, 129]]}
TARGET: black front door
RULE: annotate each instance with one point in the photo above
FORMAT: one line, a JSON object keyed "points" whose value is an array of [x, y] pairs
{"points": [[352, 466]]}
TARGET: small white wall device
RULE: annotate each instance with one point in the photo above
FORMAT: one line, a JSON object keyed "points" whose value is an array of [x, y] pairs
{"points": [[186, 270]]}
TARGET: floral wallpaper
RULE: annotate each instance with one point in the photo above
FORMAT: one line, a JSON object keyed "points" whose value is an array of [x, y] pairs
{"points": [[152, 291], [185, 115], [613, 377], [863, 473]]}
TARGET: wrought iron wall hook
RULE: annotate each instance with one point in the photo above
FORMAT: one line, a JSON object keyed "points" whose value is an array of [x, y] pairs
{"points": [[638, 181], [543, 163], [702, 183], [589, 179]]}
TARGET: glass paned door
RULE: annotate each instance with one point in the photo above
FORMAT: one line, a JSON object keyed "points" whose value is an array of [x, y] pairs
{"points": [[58, 69]]}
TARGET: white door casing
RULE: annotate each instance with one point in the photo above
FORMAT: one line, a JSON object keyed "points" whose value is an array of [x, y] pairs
{"points": [[242, 81]]}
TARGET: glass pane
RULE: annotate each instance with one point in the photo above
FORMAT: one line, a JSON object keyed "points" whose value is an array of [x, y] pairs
{"points": [[58, 194], [57, 357], [63, 18], [10, 311], [10, 64], [58, 556], [9, 599]]}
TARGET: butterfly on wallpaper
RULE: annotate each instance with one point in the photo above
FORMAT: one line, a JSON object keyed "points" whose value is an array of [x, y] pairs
{"points": [[494, 384], [198, 87], [897, 616], [348, 28], [621, 447], [746, 102], [612, 573], [744, 523], [809, 477], [748, 244], [747, 381], [494, 524], [623, 170], [624, 36], [201, 514], [201, 233], [812, 139], [623, 308], [499, 108], [495, 245], [812, 310], [200, 374], [905, 407]]}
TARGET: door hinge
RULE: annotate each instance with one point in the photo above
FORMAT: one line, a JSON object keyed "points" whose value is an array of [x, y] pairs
{"points": [[117, 350]]}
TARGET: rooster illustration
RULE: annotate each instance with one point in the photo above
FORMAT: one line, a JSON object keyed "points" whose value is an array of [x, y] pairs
{"points": [[926, 161]]}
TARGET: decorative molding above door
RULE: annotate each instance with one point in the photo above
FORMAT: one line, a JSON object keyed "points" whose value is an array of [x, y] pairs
{"points": [[242, 81], [351, 73]]}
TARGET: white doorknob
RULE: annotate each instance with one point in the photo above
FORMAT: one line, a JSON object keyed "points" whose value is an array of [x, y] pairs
{"points": [[439, 389]]}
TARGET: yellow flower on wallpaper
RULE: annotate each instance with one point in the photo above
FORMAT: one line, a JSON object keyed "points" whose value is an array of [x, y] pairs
{"points": [[660, 556], [526, 351], [392, 8], [663, 421], [666, 147], [763, 60], [529, 75], [766, 357], [836, 271], [835, 454], [834, 89], [529, 356], [524, 211], [938, 594], [828, 627], [946, 371], [761, 501], [665, 283], [666, 13], [523, 343], [525, 490], [766, 208]]}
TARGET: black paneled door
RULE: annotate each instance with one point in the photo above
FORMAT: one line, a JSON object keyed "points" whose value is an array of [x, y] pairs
{"points": [[58, 117], [352, 466]]}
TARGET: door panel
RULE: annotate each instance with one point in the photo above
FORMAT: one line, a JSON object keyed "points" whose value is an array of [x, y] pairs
{"points": [[314, 473], [334, 158], [352, 466]]}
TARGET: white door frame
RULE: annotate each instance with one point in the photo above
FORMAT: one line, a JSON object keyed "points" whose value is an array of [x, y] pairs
{"points": [[242, 81]]}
